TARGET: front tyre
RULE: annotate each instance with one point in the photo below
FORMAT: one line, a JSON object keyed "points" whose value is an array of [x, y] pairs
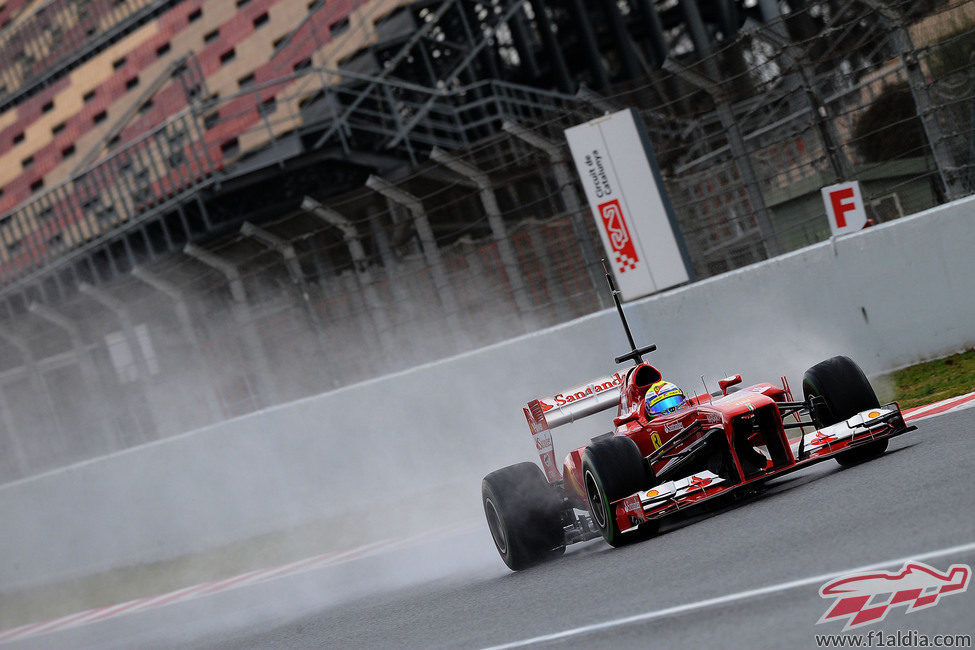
{"points": [[613, 469], [846, 390], [524, 515]]}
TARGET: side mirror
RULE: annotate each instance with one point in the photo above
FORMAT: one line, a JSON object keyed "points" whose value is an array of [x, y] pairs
{"points": [[728, 381]]}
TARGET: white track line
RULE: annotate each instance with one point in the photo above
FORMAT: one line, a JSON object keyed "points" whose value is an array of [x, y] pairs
{"points": [[724, 600], [83, 618], [208, 588]]}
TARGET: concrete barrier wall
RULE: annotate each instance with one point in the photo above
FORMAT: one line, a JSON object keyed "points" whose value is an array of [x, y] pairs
{"points": [[888, 296]]}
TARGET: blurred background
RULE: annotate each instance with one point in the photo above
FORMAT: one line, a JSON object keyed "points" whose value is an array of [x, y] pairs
{"points": [[209, 208]]}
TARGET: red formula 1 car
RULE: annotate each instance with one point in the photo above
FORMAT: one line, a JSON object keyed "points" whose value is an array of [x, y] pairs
{"points": [[623, 483]]}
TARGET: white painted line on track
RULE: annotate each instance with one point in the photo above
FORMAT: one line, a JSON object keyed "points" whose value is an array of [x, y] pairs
{"points": [[727, 599], [216, 586], [952, 404]]}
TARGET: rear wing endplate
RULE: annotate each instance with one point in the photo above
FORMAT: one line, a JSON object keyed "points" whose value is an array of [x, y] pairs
{"points": [[546, 413]]}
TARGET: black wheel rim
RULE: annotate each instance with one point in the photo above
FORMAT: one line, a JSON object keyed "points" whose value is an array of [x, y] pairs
{"points": [[596, 506], [496, 526]]}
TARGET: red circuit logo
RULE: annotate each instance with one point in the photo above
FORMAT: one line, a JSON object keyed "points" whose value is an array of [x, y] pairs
{"points": [[866, 598], [618, 233]]}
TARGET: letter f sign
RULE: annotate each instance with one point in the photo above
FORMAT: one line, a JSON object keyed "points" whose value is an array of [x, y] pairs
{"points": [[841, 204], [844, 208]]}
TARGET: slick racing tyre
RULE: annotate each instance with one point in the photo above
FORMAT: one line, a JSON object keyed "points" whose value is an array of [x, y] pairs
{"points": [[524, 514], [847, 391], [611, 470]]}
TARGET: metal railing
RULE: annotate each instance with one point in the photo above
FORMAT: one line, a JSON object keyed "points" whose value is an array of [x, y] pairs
{"points": [[492, 241], [58, 35]]}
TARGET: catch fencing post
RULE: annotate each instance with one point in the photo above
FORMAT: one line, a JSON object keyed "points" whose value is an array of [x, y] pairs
{"points": [[578, 211], [39, 387], [85, 363], [429, 246], [287, 251], [360, 264], [951, 182], [490, 202], [214, 412], [135, 348], [736, 143], [243, 317]]}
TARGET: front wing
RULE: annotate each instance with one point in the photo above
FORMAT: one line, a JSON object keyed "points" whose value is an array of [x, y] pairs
{"points": [[875, 424], [673, 496]]}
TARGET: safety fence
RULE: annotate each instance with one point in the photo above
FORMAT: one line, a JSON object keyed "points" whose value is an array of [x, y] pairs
{"points": [[487, 235]]}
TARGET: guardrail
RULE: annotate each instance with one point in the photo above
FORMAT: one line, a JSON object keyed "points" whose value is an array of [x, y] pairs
{"points": [[444, 425]]}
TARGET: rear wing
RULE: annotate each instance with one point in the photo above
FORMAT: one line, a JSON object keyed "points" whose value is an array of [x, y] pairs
{"points": [[546, 413]]}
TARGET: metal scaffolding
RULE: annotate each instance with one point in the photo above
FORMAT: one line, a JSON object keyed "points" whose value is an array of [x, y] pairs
{"points": [[424, 202]]}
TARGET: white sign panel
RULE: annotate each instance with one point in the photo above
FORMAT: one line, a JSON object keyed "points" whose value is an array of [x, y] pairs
{"points": [[625, 192], [844, 208]]}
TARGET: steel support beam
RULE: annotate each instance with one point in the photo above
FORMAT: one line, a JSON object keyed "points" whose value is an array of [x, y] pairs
{"points": [[421, 112], [659, 47], [189, 334], [125, 320], [577, 210], [244, 319], [221, 266], [736, 143], [86, 364], [952, 184], [509, 259], [695, 27], [360, 263], [39, 387], [522, 37], [803, 77], [624, 43], [428, 243], [388, 69], [583, 27], [770, 12], [553, 48], [287, 251]]}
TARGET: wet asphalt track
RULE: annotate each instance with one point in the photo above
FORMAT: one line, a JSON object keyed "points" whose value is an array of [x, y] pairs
{"points": [[916, 500]]}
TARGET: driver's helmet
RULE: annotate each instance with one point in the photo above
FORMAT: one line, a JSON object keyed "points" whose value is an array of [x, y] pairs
{"points": [[663, 397]]}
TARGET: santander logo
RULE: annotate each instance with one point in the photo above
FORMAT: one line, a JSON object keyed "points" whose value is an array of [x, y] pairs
{"points": [[581, 392], [868, 597]]}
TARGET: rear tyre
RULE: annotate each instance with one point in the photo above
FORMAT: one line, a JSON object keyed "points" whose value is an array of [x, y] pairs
{"points": [[524, 515], [611, 470], [846, 390]]}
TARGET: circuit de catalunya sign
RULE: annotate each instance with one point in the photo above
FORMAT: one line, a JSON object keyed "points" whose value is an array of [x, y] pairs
{"points": [[625, 190]]}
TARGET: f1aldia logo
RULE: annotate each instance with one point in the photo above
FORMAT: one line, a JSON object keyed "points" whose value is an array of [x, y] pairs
{"points": [[865, 598], [624, 252]]}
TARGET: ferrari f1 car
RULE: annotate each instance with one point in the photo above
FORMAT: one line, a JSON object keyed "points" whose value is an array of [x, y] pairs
{"points": [[623, 483]]}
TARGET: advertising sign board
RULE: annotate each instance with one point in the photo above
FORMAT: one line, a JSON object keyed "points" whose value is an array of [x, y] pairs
{"points": [[625, 190]]}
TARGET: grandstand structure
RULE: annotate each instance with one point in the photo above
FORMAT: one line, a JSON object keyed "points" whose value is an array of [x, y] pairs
{"points": [[209, 207], [138, 116]]}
